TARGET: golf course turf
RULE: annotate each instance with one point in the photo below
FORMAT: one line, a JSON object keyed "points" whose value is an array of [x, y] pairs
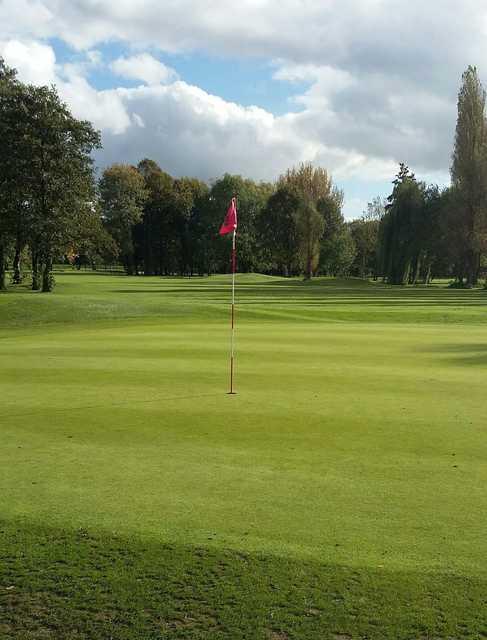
{"points": [[342, 493]]}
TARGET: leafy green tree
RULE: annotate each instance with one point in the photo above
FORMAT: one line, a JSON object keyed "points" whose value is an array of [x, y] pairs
{"points": [[62, 175], [91, 240], [251, 199], [278, 231], [428, 235], [365, 233], [337, 251], [155, 230], [166, 235], [314, 190], [47, 171], [310, 226], [123, 194], [187, 195]]}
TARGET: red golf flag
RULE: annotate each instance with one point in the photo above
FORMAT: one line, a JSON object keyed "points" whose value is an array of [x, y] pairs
{"points": [[230, 223]]}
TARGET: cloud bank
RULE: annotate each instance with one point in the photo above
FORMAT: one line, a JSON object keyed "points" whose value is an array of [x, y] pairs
{"points": [[380, 79]]}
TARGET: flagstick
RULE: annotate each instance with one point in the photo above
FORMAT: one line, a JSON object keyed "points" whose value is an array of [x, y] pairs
{"points": [[232, 342]]}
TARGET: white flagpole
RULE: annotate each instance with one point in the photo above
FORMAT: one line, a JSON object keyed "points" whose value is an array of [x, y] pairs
{"points": [[232, 340]]}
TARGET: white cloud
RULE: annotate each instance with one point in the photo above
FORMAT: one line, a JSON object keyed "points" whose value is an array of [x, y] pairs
{"points": [[325, 83], [34, 61], [143, 67], [104, 109], [192, 132], [36, 64], [26, 19], [345, 33]]}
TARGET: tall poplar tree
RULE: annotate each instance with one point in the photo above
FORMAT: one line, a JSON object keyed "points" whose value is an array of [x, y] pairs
{"points": [[469, 174]]}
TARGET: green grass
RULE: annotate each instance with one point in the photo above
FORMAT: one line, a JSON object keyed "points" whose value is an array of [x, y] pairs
{"points": [[341, 494]]}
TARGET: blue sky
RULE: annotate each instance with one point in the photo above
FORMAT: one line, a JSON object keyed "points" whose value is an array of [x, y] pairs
{"points": [[244, 81], [257, 86]]}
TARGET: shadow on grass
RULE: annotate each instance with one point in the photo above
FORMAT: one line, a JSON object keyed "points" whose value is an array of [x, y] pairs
{"points": [[459, 347], [77, 584], [462, 353]]}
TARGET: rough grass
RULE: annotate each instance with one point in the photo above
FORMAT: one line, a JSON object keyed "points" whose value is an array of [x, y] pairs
{"points": [[340, 494]]}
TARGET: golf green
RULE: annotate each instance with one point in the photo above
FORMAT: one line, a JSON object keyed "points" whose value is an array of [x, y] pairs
{"points": [[341, 493]]}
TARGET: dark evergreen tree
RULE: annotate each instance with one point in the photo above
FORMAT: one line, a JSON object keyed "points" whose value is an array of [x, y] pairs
{"points": [[399, 248]]}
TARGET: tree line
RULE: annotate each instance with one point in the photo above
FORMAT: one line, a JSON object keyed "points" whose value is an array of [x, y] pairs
{"points": [[54, 207], [166, 226]]}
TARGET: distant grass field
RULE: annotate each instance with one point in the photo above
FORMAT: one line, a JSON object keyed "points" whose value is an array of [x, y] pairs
{"points": [[342, 493]]}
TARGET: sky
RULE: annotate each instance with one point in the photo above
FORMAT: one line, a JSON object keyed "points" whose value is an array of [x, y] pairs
{"points": [[256, 86]]}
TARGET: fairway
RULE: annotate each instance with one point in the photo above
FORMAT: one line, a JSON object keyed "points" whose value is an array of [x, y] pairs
{"points": [[340, 494]]}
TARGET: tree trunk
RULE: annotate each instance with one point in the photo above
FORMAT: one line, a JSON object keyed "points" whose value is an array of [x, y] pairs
{"points": [[36, 280], [309, 262], [47, 280], [149, 267], [476, 268], [309, 271], [460, 271], [427, 274], [471, 268], [407, 271], [417, 270], [128, 263], [3, 284], [17, 276]]}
